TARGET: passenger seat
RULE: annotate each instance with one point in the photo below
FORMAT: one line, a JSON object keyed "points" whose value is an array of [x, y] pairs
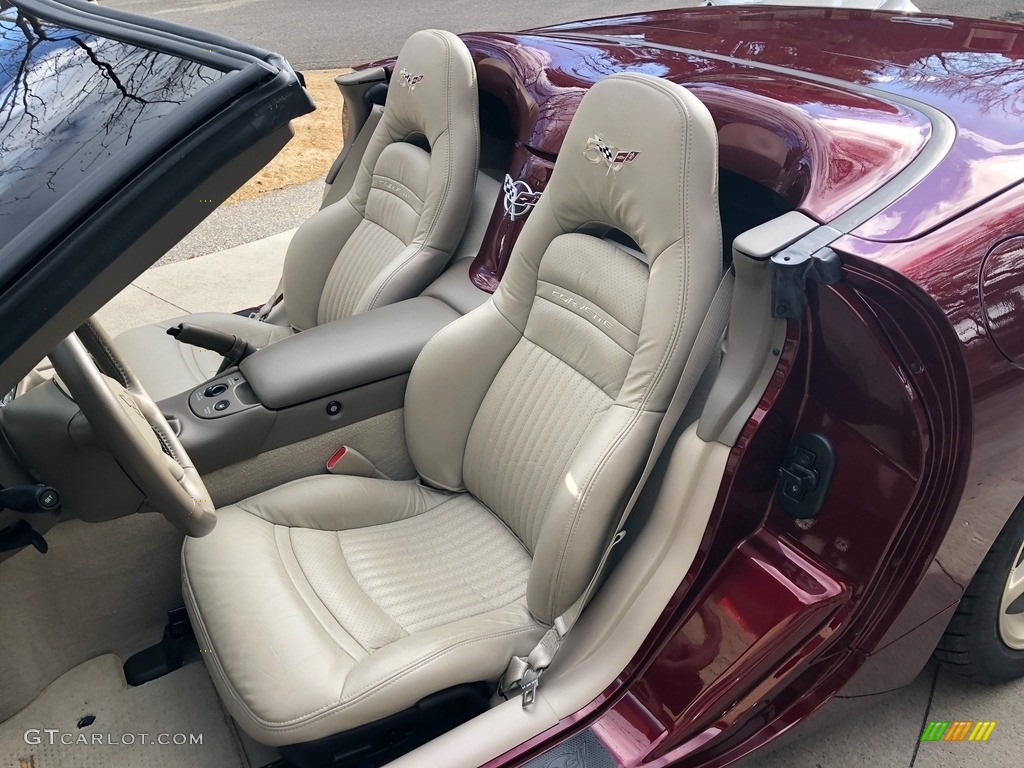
{"points": [[385, 241]]}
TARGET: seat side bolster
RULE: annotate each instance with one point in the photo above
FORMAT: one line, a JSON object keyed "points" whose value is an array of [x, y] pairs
{"points": [[446, 388], [311, 255], [451, 180], [464, 651], [415, 267], [577, 525], [329, 502]]}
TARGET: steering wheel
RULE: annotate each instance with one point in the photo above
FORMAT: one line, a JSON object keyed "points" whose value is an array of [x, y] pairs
{"points": [[134, 430]]}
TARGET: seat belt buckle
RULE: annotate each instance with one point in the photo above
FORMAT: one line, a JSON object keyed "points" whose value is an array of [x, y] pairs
{"points": [[529, 685], [348, 461]]}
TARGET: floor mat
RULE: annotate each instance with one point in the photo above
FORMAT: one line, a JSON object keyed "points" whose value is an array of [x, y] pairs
{"points": [[91, 718]]}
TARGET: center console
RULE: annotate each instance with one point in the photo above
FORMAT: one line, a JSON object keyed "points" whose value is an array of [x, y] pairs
{"points": [[311, 383]]}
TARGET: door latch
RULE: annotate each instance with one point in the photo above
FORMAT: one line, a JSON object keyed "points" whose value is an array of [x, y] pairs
{"points": [[805, 475]]}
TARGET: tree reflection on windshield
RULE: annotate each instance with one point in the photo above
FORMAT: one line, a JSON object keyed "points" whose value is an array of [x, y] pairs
{"points": [[69, 103]]}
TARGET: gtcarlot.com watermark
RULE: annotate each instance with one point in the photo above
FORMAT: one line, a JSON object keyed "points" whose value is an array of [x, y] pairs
{"points": [[35, 737]]}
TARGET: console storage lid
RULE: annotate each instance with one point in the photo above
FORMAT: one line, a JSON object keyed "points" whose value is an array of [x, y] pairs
{"points": [[346, 353]]}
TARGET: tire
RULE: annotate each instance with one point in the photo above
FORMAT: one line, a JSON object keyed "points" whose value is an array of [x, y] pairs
{"points": [[981, 643]]}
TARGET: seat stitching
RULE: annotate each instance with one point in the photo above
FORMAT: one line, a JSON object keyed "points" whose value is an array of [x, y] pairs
{"points": [[435, 339], [384, 226], [576, 449], [380, 175], [302, 597], [562, 307], [569, 365], [392, 275], [491, 427], [393, 196], [339, 286], [337, 540], [518, 433]]}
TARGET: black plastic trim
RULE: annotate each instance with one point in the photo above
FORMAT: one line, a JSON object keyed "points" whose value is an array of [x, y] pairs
{"points": [[380, 742]]}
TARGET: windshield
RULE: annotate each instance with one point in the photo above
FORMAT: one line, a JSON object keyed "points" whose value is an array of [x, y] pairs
{"points": [[70, 102]]}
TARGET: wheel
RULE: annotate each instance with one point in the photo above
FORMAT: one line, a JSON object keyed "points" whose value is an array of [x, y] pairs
{"points": [[134, 430], [985, 640]]}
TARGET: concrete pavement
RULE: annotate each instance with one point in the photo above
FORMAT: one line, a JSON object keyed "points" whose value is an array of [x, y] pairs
{"points": [[249, 220], [227, 281], [886, 732]]}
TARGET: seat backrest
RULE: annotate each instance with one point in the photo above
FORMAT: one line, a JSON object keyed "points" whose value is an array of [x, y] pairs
{"points": [[397, 227], [544, 402]]}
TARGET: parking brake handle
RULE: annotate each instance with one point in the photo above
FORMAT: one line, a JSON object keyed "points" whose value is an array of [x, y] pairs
{"points": [[233, 349]]}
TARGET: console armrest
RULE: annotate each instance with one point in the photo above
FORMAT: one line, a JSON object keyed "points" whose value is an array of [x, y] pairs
{"points": [[345, 354]]}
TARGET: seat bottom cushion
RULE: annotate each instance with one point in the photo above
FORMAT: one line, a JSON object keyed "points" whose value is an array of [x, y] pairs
{"points": [[166, 367], [331, 602]]}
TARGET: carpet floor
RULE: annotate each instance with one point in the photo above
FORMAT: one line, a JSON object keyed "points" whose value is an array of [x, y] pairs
{"points": [[99, 721]]}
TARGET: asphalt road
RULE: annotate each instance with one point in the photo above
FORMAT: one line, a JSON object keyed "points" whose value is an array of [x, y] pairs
{"points": [[319, 34]]}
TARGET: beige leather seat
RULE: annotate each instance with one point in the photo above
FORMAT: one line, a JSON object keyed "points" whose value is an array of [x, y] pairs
{"points": [[331, 602], [385, 241]]}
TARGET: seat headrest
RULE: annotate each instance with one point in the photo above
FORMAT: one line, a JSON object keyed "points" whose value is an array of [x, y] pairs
{"points": [[640, 156], [434, 78]]}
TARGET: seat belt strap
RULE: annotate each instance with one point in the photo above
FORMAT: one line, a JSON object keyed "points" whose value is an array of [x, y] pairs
{"points": [[523, 672], [263, 312]]}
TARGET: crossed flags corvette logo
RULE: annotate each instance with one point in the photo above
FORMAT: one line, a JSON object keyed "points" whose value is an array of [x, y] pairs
{"points": [[519, 198], [407, 79], [597, 150]]}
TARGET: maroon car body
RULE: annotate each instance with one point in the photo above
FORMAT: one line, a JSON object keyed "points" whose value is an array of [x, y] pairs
{"points": [[903, 133]]}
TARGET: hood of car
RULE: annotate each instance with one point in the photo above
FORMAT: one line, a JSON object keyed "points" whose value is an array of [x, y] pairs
{"points": [[878, 76]]}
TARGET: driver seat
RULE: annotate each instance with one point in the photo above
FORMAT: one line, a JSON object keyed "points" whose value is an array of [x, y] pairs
{"points": [[333, 602], [385, 241]]}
